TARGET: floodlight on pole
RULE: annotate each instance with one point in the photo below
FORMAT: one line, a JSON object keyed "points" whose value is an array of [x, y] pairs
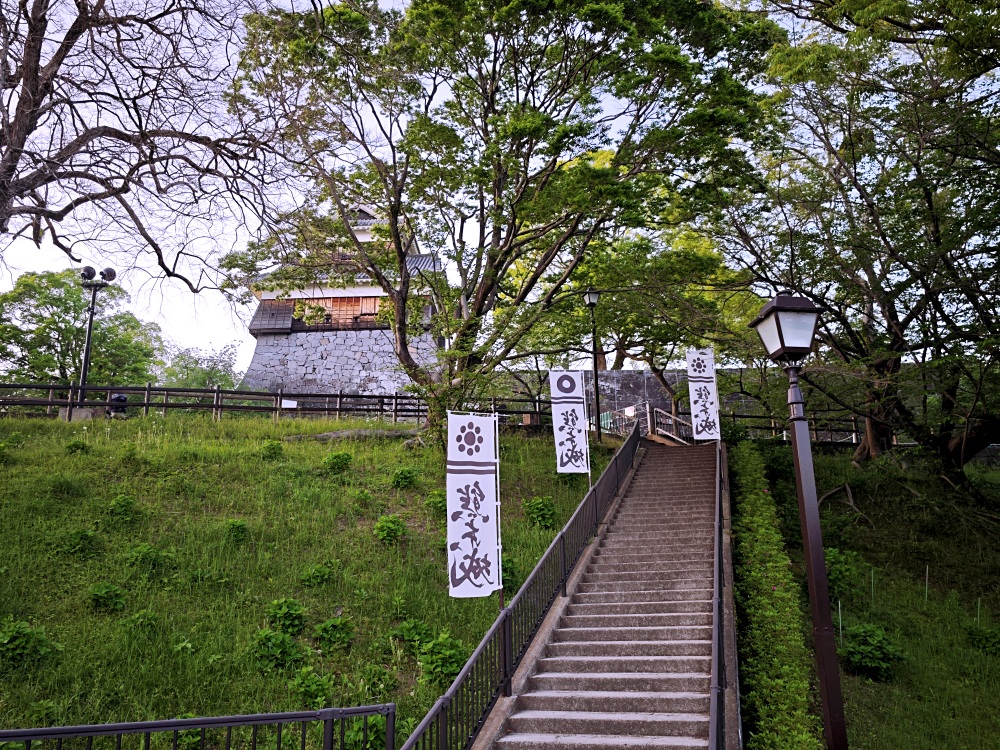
{"points": [[88, 274], [787, 327]]}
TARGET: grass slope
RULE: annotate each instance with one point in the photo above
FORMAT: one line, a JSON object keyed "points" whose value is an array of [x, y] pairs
{"points": [[945, 693], [223, 523]]}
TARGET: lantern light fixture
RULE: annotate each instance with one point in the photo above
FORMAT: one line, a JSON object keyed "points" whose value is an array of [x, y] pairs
{"points": [[787, 327]]}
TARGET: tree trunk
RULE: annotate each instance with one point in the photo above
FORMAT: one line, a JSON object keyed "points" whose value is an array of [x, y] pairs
{"points": [[877, 439]]}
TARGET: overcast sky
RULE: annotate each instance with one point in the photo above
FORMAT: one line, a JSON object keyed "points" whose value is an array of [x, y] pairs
{"points": [[205, 320]]}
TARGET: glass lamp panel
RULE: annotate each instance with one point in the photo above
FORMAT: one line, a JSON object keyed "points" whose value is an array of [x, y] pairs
{"points": [[590, 297], [767, 329], [797, 329]]}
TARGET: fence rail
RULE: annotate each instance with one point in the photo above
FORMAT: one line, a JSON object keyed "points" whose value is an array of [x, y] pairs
{"points": [[325, 729], [455, 720]]}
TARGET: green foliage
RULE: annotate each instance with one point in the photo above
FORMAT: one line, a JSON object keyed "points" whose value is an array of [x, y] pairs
{"points": [[775, 664], [315, 575], [195, 368], [286, 615], [337, 632], [313, 690], [413, 633], [77, 446], [81, 542], [122, 510], [107, 597], [148, 559], [15, 440], [21, 644], [441, 659], [366, 733], [437, 503], [66, 487], [985, 639], [868, 651], [844, 571], [390, 529], [405, 478], [540, 512], [274, 649], [143, 621], [337, 463], [272, 450], [5, 457], [237, 530]]}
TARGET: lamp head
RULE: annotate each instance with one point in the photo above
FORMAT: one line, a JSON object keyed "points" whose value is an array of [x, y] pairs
{"points": [[590, 297], [108, 274], [787, 326], [87, 273]]}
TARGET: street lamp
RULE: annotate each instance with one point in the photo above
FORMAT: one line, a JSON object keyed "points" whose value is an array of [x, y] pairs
{"points": [[590, 298], [787, 326], [87, 274]]}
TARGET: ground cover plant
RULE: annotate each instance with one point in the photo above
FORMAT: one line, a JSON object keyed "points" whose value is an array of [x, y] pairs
{"points": [[915, 591], [167, 569]]}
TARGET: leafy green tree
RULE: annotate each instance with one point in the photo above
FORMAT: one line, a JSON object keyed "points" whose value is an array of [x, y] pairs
{"points": [[893, 234], [43, 325], [194, 368], [508, 137]]}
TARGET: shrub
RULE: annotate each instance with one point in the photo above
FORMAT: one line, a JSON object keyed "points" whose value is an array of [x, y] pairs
{"points": [[775, 664], [4, 454], [272, 450], [365, 733], [286, 615], [236, 530], [364, 503], [313, 690], [14, 440], [441, 659], [275, 650], [437, 504], [513, 577], [413, 633], [130, 458], [66, 487], [337, 632], [107, 597], [869, 652], [336, 464], [375, 684], [81, 542], [315, 575], [540, 512], [143, 621], [21, 644], [390, 529], [985, 639], [843, 571], [77, 446], [147, 558], [122, 510], [405, 478]]}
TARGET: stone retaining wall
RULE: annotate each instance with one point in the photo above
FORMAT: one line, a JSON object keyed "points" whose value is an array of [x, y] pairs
{"points": [[361, 362]]}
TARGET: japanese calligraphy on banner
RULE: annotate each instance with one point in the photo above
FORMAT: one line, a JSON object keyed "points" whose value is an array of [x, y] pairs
{"points": [[704, 394], [473, 505], [569, 422]]}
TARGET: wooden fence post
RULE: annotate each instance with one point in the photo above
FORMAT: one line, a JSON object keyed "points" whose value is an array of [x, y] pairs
{"points": [[340, 400], [48, 406], [395, 408], [145, 399], [218, 403], [277, 404], [166, 398], [326, 408], [69, 404]]}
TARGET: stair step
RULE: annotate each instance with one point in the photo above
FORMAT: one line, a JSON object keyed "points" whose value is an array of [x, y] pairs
{"points": [[643, 621], [538, 741], [655, 633], [641, 608], [669, 584], [596, 700], [650, 575], [622, 681], [610, 723], [629, 648], [638, 595], [619, 663], [684, 562]]}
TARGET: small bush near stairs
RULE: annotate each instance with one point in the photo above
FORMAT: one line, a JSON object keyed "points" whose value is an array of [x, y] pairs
{"points": [[774, 661]]}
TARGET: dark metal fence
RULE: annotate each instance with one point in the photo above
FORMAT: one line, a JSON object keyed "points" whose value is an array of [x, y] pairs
{"points": [[718, 686], [356, 728], [455, 720]]}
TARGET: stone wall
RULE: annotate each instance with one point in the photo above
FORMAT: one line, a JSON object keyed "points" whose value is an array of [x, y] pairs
{"points": [[361, 362]]}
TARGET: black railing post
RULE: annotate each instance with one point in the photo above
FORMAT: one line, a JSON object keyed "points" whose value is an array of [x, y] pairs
{"points": [[507, 646], [390, 729], [328, 733], [442, 724], [562, 557]]}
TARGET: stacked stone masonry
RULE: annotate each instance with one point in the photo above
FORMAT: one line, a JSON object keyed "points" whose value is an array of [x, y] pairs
{"points": [[357, 362]]}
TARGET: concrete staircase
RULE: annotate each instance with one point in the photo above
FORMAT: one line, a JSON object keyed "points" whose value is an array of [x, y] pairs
{"points": [[629, 663]]}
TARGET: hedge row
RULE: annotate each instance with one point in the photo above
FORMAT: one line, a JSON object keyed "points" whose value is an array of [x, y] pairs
{"points": [[774, 661]]}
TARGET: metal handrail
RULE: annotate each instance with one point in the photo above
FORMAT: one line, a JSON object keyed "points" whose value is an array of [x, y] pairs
{"points": [[177, 728], [454, 722], [717, 708]]}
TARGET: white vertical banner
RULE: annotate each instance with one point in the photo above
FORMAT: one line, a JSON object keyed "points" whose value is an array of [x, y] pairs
{"points": [[473, 482], [569, 422], [704, 393]]}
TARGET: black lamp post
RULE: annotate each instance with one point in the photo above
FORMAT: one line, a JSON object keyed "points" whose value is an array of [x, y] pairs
{"points": [[87, 274], [787, 326], [590, 298]]}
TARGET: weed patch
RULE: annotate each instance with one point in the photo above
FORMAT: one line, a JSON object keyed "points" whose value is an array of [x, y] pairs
{"points": [[390, 529]]}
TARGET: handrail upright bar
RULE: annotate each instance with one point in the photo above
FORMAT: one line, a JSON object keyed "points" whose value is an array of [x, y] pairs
{"points": [[716, 718]]}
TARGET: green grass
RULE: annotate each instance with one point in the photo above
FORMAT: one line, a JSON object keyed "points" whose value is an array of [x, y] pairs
{"points": [[202, 525], [945, 693]]}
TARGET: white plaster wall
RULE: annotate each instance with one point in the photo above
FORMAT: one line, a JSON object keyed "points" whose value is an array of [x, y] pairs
{"points": [[329, 361]]}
